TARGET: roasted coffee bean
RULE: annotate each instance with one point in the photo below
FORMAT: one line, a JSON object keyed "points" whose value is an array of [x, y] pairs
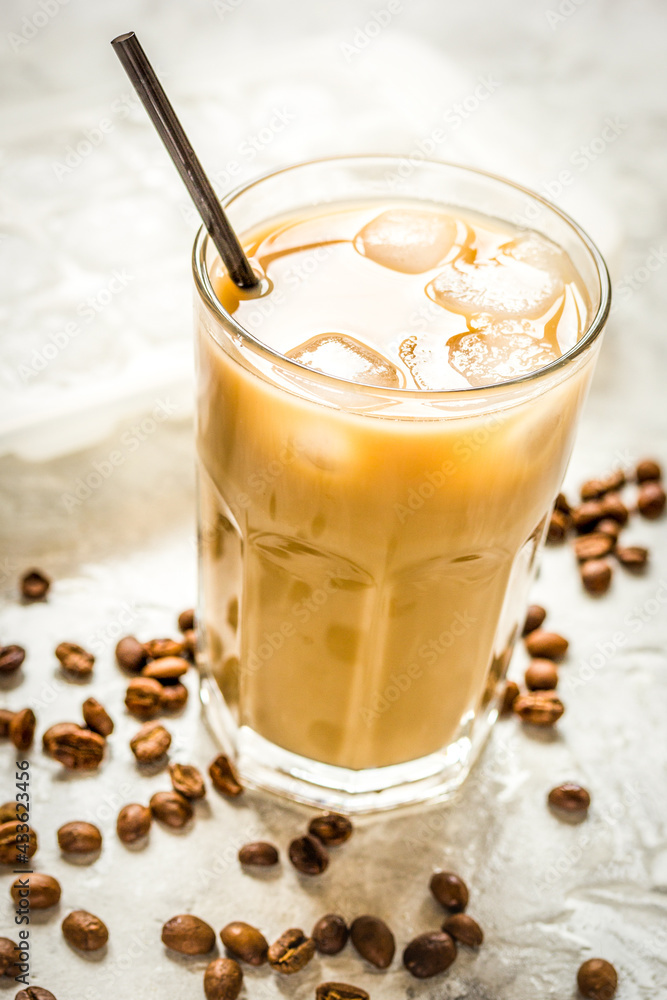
{"points": [[77, 748], [53, 734], [245, 942], [75, 660], [464, 929], [559, 525], [97, 718], [130, 654], [291, 952], [11, 658], [224, 777], [258, 855], [34, 585], [562, 504], [79, 838], [167, 668], [190, 643], [593, 546], [188, 934], [330, 934], [157, 648], [541, 675], [569, 798], [13, 848], [171, 808], [509, 697], [143, 697], [187, 780], [150, 743], [587, 515], [597, 979], [596, 576], [546, 645], [373, 940], [607, 526], [13, 810], [22, 728], [429, 954], [539, 708], [593, 489], [614, 481], [651, 500], [173, 697], [648, 469], [34, 993], [223, 979], [186, 620], [450, 891], [534, 618], [9, 958], [41, 890], [308, 855], [340, 991], [331, 828], [133, 823], [614, 508], [84, 931], [634, 557], [5, 721]]}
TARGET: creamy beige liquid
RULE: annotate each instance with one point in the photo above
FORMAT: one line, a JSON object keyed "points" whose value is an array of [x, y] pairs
{"points": [[363, 576]]}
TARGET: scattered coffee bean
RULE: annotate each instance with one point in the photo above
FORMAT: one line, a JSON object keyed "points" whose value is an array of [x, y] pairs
{"points": [[11, 658], [11, 811], [509, 697], [167, 668], [634, 557], [187, 780], [34, 585], [464, 929], [75, 660], [340, 991], [331, 828], [534, 618], [607, 526], [171, 808], [157, 648], [597, 979], [308, 855], [258, 855], [143, 697], [97, 718], [648, 469], [84, 931], [245, 942], [22, 728], [593, 489], [429, 954], [559, 524], [651, 500], [224, 777], [562, 504], [596, 576], [223, 979], [190, 643], [291, 952], [188, 935], [9, 956], [539, 708], [546, 645], [173, 697], [43, 890], [373, 940], [330, 934], [5, 721], [186, 620], [587, 515], [53, 734], [614, 481], [133, 823], [569, 798], [541, 675], [449, 890], [34, 993], [130, 654], [614, 508], [150, 743], [593, 546], [79, 838], [77, 748]]}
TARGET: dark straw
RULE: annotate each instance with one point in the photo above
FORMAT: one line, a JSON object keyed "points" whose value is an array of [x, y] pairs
{"points": [[170, 130]]}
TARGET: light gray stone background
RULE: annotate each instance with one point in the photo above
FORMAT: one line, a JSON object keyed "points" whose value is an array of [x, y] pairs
{"points": [[95, 235]]}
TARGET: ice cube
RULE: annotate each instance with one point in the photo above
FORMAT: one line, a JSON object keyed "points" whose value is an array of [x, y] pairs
{"points": [[508, 289], [407, 240], [345, 357], [425, 357], [498, 352], [532, 248]]}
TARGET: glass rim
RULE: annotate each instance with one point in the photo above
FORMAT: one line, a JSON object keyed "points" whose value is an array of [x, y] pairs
{"points": [[205, 288]]}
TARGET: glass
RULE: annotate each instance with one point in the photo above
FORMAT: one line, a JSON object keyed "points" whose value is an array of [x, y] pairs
{"points": [[366, 552]]}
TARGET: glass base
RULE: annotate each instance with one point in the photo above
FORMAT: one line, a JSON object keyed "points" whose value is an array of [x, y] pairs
{"points": [[265, 765]]}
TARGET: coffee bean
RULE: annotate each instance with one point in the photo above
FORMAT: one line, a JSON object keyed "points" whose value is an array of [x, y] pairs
{"points": [[11, 658], [173, 697], [190, 643], [546, 645], [373, 940], [596, 576], [43, 890], [597, 979], [258, 854], [651, 500], [188, 935], [133, 823], [509, 697], [171, 808], [331, 828], [79, 838], [22, 728], [607, 526], [34, 993], [9, 958], [648, 469], [562, 504], [634, 557], [614, 481], [614, 508], [559, 525], [97, 718], [77, 748], [223, 979], [245, 942], [130, 654], [84, 931], [534, 618], [569, 798], [429, 954], [187, 780], [224, 777], [34, 585], [593, 489], [450, 891], [157, 648], [340, 991], [464, 929], [5, 721], [13, 849], [539, 708], [308, 855], [291, 952], [75, 660], [143, 697], [541, 675], [587, 515], [13, 810], [150, 743], [186, 620], [167, 668], [330, 934], [593, 546]]}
